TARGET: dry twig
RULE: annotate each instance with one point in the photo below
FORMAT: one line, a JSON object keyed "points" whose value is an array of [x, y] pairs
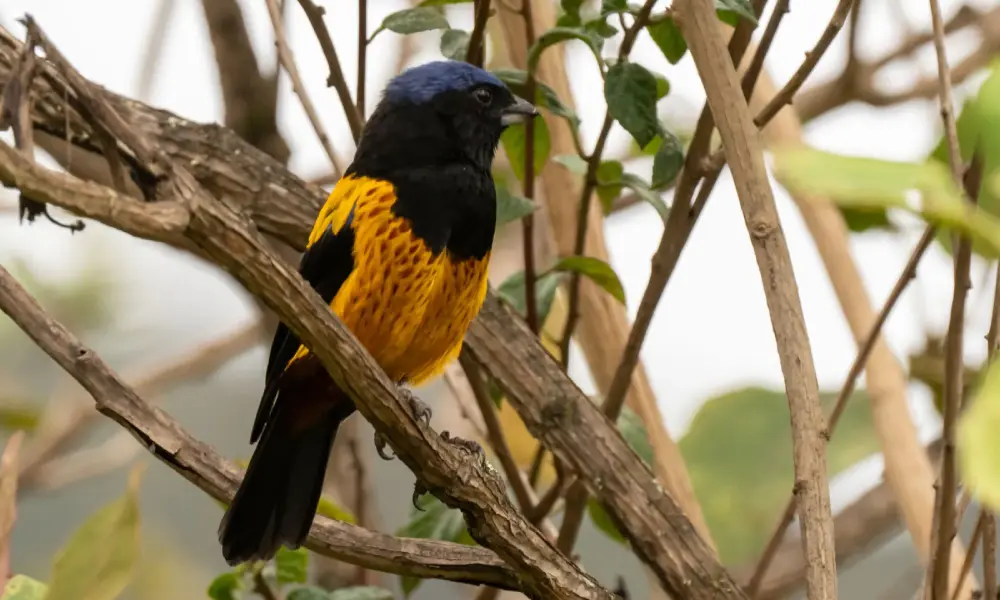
{"points": [[698, 23]]}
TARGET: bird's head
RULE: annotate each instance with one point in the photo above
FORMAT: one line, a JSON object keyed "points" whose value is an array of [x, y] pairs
{"points": [[441, 112]]}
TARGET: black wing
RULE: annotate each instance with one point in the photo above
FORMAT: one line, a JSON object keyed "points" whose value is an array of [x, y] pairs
{"points": [[325, 265]]}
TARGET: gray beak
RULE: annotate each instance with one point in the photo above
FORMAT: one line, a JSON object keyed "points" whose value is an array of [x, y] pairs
{"points": [[519, 112]]}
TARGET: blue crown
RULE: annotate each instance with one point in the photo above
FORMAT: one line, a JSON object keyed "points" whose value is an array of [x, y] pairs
{"points": [[420, 84]]}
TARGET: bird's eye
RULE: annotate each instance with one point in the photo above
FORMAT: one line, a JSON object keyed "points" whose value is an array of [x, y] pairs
{"points": [[483, 96]]}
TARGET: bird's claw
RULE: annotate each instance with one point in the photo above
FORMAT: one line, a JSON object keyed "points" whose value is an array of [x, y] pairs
{"points": [[468, 445], [421, 412], [380, 445], [418, 491]]}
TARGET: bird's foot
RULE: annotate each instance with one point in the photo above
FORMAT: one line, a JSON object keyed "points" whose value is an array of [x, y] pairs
{"points": [[421, 412], [468, 445]]}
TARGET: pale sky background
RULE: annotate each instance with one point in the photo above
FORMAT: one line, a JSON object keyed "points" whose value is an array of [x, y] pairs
{"points": [[711, 333]]}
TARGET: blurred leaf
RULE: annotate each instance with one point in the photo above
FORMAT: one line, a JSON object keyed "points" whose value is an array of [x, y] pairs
{"points": [[634, 431], [14, 416], [642, 190], [546, 284], [668, 38], [291, 566], [366, 592], [978, 126], [514, 141], [454, 44], [435, 522], [630, 91], [860, 220], [871, 184], [22, 587], [226, 587], [545, 96], [739, 452], [667, 161], [561, 34], [443, 2], [413, 20], [602, 521], [609, 176], [571, 11], [309, 592], [597, 271], [601, 27], [662, 87], [512, 207], [978, 444], [610, 7], [572, 162], [331, 510], [741, 8], [98, 560]]}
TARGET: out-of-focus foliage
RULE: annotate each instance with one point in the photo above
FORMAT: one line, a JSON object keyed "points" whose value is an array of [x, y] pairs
{"points": [[978, 443], [739, 453], [22, 587], [433, 520]]}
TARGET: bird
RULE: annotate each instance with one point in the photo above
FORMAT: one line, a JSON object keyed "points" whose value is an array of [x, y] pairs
{"points": [[400, 252]]}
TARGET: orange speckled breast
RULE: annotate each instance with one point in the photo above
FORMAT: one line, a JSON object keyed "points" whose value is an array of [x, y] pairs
{"points": [[408, 306]]}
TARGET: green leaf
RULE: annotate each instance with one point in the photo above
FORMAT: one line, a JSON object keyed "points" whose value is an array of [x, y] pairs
{"points": [[738, 449], [609, 175], [860, 220], [98, 560], [22, 587], [454, 44], [668, 161], [511, 207], [601, 28], [572, 162], [309, 592], [226, 587], [610, 7], [741, 8], [571, 11], [515, 143], [669, 39], [865, 183], [365, 592], [597, 271], [545, 96], [600, 518], [512, 292], [630, 91], [631, 427], [291, 566], [413, 20], [436, 521], [979, 450], [16, 415], [662, 87], [647, 195], [331, 510], [561, 34]]}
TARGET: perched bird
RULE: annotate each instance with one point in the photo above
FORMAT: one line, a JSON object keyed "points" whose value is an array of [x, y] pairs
{"points": [[399, 251]]}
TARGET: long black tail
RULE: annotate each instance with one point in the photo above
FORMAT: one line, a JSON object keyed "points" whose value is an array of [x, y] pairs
{"points": [[277, 500]]}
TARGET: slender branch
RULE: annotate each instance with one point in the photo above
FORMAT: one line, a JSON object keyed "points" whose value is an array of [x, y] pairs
{"points": [[494, 432], [159, 25], [66, 420], [288, 62], [262, 587], [476, 51], [699, 25], [362, 57], [864, 351], [970, 556], [954, 371], [989, 518], [590, 184], [528, 222], [336, 78]]}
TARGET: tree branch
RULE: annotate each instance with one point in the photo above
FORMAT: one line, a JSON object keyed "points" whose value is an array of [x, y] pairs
{"points": [[698, 22], [200, 465]]}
